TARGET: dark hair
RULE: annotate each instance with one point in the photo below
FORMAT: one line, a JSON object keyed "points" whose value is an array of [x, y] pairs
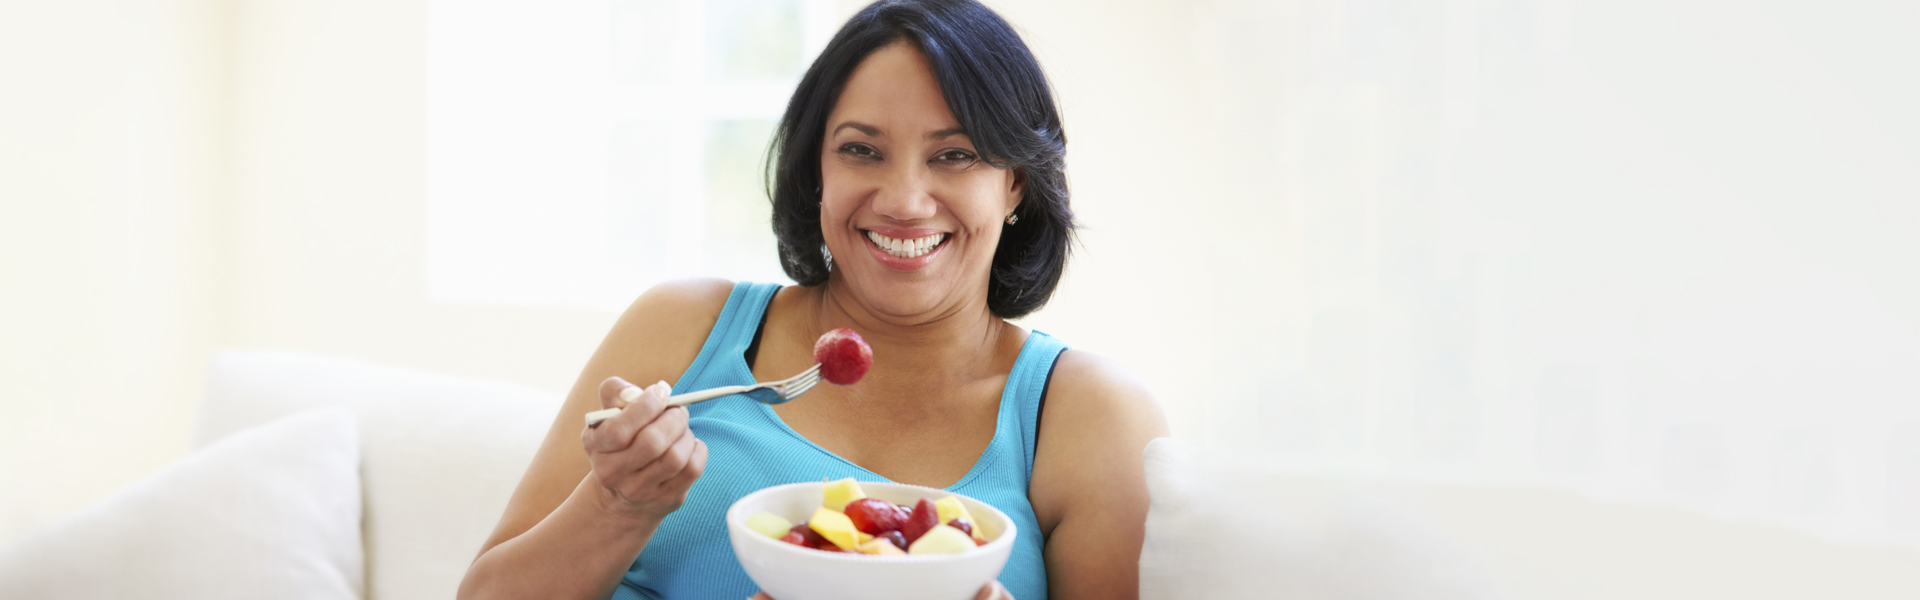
{"points": [[996, 91]]}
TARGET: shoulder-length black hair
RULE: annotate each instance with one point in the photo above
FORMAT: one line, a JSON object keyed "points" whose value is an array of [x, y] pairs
{"points": [[995, 89]]}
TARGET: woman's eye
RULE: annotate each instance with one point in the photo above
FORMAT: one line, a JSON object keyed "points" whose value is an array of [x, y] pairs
{"points": [[862, 151], [955, 157]]}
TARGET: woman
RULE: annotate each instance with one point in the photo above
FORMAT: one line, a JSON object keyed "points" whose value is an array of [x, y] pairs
{"points": [[919, 199]]}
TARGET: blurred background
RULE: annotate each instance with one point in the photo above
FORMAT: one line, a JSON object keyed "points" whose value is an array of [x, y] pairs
{"points": [[1623, 295]]}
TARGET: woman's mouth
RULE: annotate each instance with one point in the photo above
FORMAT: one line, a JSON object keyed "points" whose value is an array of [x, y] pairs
{"points": [[909, 248]]}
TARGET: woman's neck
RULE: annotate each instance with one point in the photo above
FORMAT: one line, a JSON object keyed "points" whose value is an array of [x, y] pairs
{"points": [[945, 347]]}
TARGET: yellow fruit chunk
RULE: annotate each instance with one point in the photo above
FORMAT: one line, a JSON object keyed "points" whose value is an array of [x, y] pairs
{"points": [[942, 540], [769, 524], [880, 548], [836, 527], [839, 493], [950, 508]]}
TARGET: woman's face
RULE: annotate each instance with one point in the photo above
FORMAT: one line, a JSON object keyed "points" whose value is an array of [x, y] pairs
{"points": [[909, 210]]}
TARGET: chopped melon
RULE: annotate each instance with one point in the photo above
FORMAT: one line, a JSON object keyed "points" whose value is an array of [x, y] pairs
{"points": [[942, 540], [839, 493], [881, 548], [950, 508], [769, 524], [836, 527]]}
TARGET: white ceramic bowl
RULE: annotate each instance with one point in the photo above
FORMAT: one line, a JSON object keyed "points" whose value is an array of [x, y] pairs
{"points": [[788, 572]]}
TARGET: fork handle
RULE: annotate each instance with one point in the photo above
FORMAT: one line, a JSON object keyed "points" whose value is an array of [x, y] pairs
{"points": [[707, 394], [595, 417]]}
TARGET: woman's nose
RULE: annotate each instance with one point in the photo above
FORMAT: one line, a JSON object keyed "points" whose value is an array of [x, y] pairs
{"points": [[907, 194]]}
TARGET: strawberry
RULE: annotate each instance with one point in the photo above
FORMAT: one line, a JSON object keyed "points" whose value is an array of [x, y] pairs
{"points": [[924, 517], [901, 514], [844, 358]]}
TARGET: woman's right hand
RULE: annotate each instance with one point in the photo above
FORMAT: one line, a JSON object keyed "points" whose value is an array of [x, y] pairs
{"points": [[646, 457]]}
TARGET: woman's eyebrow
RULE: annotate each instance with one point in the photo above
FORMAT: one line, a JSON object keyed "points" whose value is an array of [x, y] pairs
{"points": [[875, 131], [858, 126]]}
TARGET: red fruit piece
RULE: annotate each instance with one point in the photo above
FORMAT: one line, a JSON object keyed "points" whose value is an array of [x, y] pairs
{"points": [[809, 537], [795, 539], [924, 517], [844, 358], [963, 525], [898, 540], [873, 517]]}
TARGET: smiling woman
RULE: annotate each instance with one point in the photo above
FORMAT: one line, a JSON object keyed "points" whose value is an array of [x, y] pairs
{"points": [[904, 184], [920, 200], [1000, 112]]}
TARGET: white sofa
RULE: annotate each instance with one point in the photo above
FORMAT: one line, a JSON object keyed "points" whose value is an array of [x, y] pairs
{"points": [[439, 454], [438, 457]]}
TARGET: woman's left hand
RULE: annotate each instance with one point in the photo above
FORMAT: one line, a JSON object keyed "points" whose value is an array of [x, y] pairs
{"points": [[993, 591]]}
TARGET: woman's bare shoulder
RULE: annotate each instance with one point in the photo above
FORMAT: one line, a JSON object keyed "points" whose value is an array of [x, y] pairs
{"points": [[673, 304], [1096, 422], [1096, 393], [664, 328]]}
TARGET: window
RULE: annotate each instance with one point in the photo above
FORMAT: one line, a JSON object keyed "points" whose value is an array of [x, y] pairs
{"points": [[580, 151]]}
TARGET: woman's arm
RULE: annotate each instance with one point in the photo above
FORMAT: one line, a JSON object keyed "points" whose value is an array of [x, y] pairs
{"points": [[1089, 488], [591, 498]]}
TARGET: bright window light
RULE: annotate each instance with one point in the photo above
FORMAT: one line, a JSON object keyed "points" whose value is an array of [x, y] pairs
{"points": [[580, 151]]}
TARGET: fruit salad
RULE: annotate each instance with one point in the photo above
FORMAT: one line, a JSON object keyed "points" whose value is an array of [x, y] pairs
{"points": [[848, 521], [844, 358]]}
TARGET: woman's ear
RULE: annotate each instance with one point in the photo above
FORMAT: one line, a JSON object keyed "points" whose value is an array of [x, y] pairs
{"points": [[1018, 191]]}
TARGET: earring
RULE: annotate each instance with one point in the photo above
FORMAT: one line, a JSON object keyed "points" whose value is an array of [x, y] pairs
{"points": [[827, 254], [1012, 218]]}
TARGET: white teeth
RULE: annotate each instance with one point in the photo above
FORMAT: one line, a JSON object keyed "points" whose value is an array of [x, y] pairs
{"points": [[906, 248]]}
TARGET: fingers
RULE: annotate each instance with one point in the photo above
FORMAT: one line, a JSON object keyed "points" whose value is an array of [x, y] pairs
{"points": [[634, 444], [616, 392], [656, 438], [993, 591], [671, 460], [610, 389], [618, 433], [654, 461], [696, 465]]}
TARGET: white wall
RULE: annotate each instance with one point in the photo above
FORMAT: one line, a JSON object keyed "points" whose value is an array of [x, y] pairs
{"points": [[1653, 251], [329, 218], [110, 142], [181, 176]]}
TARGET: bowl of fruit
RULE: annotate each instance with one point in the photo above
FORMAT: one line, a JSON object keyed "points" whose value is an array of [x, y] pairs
{"points": [[847, 540]]}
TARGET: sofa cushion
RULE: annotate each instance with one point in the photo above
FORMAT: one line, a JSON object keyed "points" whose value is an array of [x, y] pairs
{"points": [[269, 512], [1216, 531], [440, 454]]}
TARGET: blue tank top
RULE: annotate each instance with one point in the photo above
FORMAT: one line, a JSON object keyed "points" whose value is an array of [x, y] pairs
{"points": [[749, 448]]}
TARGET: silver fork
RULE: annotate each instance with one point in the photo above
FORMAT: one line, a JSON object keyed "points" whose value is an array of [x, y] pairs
{"points": [[781, 391]]}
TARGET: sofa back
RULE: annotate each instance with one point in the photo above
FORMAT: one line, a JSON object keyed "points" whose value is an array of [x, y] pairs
{"points": [[439, 454]]}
